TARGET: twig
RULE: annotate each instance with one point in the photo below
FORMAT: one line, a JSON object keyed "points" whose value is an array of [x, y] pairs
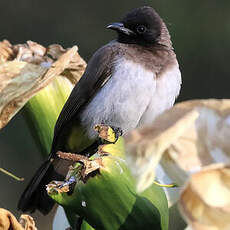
{"points": [[11, 175], [72, 156]]}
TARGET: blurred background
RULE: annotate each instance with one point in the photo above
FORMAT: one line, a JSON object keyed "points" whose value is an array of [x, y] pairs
{"points": [[200, 32]]}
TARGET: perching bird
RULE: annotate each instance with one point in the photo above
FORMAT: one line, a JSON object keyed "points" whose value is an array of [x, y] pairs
{"points": [[127, 83]]}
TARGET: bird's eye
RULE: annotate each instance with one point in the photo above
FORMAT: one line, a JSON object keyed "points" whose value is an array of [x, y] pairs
{"points": [[141, 29]]}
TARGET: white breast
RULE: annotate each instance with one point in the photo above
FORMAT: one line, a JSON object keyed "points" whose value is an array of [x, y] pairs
{"points": [[167, 89], [132, 96]]}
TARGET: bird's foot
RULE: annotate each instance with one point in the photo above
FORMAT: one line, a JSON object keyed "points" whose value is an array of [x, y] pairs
{"points": [[72, 180], [87, 166], [66, 186], [108, 134]]}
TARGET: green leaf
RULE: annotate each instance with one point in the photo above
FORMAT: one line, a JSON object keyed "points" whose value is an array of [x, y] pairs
{"points": [[107, 199]]}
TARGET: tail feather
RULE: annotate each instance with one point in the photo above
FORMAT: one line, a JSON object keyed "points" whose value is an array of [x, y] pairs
{"points": [[35, 196]]}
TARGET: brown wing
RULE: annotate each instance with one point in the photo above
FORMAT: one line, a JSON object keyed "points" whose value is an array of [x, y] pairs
{"points": [[98, 71]]}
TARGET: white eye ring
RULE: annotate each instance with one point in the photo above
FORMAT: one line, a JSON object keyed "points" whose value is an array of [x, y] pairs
{"points": [[141, 29]]}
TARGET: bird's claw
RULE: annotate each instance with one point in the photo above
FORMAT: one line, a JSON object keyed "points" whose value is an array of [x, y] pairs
{"points": [[109, 134], [70, 181]]}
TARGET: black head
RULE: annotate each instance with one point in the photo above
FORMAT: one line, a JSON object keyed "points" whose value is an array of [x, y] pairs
{"points": [[140, 26]]}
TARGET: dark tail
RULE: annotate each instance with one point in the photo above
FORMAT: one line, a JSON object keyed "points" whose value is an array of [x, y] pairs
{"points": [[35, 195]]}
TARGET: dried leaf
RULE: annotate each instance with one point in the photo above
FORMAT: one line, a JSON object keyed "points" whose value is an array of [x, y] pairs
{"points": [[20, 80], [6, 51], [81, 171], [27, 222], [75, 69], [35, 53], [55, 51], [205, 200], [203, 143], [88, 165], [36, 48], [191, 138], [23, 53], [31, 52], [145, 146], [9, 222], [62, 63], [72, 157]]}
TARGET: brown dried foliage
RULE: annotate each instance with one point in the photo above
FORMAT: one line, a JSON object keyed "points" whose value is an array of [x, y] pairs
{"points": [[27, 68], [9, 222], [191, 141]]}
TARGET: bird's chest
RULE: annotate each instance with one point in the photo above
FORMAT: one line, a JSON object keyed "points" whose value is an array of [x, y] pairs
{"points": [[124, 99], [168, 86]]}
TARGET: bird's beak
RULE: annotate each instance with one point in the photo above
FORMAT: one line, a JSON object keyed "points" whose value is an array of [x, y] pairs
{"points": [[119, 27]]}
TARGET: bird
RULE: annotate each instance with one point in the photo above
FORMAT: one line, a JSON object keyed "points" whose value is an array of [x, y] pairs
{"points": [[127, 83]]}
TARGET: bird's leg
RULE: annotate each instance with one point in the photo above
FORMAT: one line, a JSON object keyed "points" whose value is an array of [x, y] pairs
{"points": [[107, 135], [87, 165]]}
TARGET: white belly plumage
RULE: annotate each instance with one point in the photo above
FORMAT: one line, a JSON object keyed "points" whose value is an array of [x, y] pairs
{"points": [[133, 96]]}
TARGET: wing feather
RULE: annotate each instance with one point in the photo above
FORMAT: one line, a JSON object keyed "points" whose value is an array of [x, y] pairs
{"points": [[98, 71]]}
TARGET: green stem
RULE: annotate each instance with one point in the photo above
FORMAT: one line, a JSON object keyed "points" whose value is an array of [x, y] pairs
{"points": [[42, 110]]}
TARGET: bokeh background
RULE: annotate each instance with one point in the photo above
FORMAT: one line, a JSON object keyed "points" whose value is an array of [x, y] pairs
{"points": [[200, 32]]}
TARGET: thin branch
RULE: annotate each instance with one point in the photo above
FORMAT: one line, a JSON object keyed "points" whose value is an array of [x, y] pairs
{"points": [[11, 175]]}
